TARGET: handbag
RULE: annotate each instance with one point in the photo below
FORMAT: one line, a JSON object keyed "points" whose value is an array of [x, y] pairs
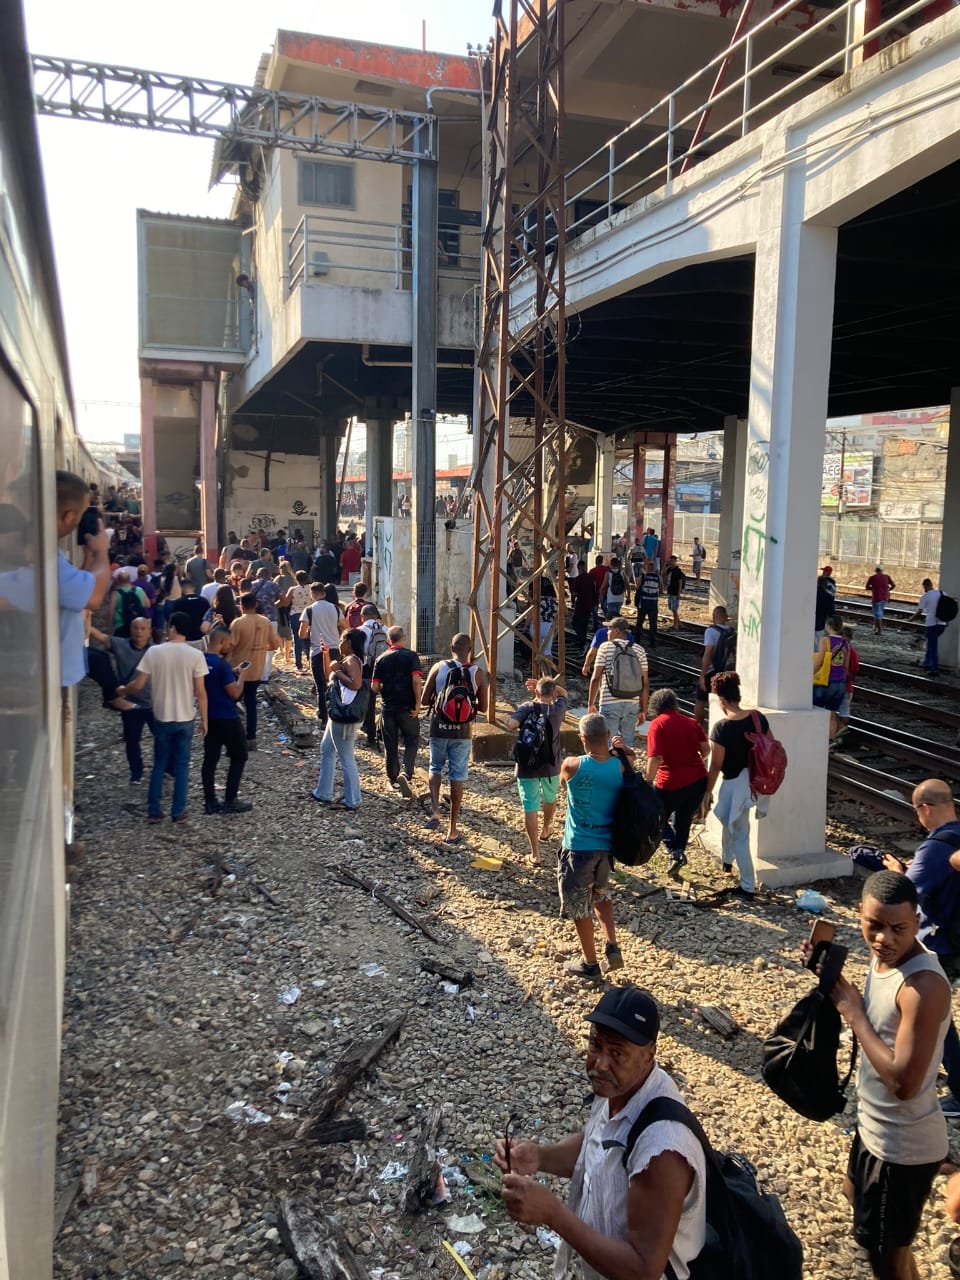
{"points": [[351, 712], [822, 674]]}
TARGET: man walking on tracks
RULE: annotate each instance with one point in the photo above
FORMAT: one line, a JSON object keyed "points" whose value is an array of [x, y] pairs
{"points": [[398, 679], [648, 600], [619, 686], [718, 655], [934, 625], [456, 690], [879, 584]]}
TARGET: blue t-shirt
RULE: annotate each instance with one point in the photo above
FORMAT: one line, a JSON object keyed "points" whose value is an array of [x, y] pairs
{"points": [[75, 588], [220, 706], [938, 888], [601, 634], [591, 796], [651, 545]]}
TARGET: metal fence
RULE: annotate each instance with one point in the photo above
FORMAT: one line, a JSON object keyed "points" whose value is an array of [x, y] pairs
{"points": [[905, 544]]}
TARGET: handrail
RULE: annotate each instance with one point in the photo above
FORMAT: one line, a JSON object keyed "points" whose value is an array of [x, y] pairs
{"points": [[611, 154]]}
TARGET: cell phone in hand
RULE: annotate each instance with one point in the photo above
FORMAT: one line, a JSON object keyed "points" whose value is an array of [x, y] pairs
{"points": [[89, 523], [242, 667], [822, 933]]}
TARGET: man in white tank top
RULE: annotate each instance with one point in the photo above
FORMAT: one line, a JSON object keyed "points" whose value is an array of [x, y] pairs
{"points": [[900, 1022]]}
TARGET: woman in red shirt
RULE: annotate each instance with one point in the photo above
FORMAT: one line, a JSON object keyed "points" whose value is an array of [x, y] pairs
{"points": [[677, 748]]}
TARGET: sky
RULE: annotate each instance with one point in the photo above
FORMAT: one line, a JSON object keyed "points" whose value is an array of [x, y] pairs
{"points": [[97, 176]]}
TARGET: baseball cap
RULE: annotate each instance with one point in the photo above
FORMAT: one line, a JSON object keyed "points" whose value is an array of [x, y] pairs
{"points": [[827, 568], [629, 1011], [369, 611]]}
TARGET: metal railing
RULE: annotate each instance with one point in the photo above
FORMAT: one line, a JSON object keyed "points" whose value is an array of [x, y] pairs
{"points": [[325, 245], [903, 544], [614, 187]]}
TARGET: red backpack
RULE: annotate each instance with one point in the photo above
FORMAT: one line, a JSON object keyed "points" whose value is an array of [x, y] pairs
{"points": [[766, 760]]}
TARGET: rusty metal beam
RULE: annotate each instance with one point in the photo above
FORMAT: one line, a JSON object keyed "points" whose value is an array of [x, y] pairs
{"points": [[520, 483]]}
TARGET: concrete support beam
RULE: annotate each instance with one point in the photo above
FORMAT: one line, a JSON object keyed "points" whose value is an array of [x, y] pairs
{"points": [[379, 472], [638, 493], [725, 573], [949, 580], [668, 502], [424, 404], [790, 368], [208, 469], [603, 529], [148, 465], [327, 480]]}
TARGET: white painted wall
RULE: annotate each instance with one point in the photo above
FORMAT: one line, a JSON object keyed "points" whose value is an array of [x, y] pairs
{"points": [[293, 497], [393, 568]]}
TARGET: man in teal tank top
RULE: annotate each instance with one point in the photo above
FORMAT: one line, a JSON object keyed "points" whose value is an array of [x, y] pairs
{"points": [[593, 782], [900, 1021]]}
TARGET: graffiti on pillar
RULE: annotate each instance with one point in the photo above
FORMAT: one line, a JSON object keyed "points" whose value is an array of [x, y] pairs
{"points": [[749, 621], [754, 546], [758, 458], [383, 557]]}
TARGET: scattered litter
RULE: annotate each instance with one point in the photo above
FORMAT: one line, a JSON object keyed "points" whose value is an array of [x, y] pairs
{"points": [[393, 1172], [450, 988], [811, 901], [319, 982], [549, 1239], [283, 1057], [372, 970], [247, 1113], [471, 1013], [454, 1176], [289, 996], [463, 1247], [483, 863], [466, 1225], [360, 1162], [440, 1194]]}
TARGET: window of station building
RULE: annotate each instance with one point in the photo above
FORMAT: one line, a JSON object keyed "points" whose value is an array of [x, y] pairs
{"points": [[328, 183], [23, 697]]}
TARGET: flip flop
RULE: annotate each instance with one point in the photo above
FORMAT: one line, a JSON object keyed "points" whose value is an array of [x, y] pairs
{"points": [[452, 840], [433, 824]]}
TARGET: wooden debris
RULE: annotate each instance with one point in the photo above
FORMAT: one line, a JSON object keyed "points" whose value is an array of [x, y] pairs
{"points": [[317, 1244], [424, 1168], [715, 1016], [64, 1203], [483, 1176], [441, 970], [298, 728], [274, 902], [351, 877], [349, 1129], [352, 1064]]}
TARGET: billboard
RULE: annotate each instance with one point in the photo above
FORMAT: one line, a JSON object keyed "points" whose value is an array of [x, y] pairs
{"points": [[131, 442], [856, 483]]}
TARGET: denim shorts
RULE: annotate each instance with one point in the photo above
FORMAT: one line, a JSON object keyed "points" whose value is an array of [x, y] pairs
{"points": [[455, 753], [535, 792], [878, 608], [843, 711], [829, 695], [582, 877], [673, 604]]}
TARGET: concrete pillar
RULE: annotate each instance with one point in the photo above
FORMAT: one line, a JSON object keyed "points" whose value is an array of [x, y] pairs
{"points": [[208, 469], [638, 493], [725, 570], [949, 580], [668, 502], [327, 453], [148, 465], [789, 375], [379, 469], [603, 529]]}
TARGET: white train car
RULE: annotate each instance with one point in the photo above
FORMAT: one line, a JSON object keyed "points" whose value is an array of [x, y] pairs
{"points": [[36, 433]]}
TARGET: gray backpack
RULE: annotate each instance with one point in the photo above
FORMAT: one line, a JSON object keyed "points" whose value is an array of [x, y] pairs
{"points": [[625, 672]]}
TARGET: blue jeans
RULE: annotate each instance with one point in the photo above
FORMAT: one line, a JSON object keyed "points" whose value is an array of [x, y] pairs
{"points": [[171, 746], [134, 723], [621, 718], [931, 659], [301, 648], [735, 842], [339, 740]]}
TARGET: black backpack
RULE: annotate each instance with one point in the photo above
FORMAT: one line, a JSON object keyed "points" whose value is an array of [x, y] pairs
{"points": [[724, 656], [748, 1236], [618, 584], [947, 608], [637, 818], [800, 1058], [534, 744], [130, 609]]}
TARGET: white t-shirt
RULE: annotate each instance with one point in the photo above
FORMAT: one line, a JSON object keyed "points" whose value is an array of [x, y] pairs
{"points": [[324, 630], [598, 1193], [605, 656], [171, 668], [928, 603], [210, 590]]}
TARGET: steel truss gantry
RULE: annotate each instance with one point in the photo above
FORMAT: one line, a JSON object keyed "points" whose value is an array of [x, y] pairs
{"points": [[519, 481], [230, 112]]}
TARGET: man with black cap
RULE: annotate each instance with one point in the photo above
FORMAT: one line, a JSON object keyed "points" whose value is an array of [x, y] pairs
{"points": [[629, 1212]]}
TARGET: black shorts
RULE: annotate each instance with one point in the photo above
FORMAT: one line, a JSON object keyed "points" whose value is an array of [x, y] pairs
{"points": [[888, 1199]]}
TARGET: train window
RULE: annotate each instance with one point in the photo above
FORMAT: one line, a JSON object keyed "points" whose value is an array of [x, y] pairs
{"points": [[23, 760]]}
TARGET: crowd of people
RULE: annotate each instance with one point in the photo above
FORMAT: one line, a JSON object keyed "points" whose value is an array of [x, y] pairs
{"points": [[191, 645]]}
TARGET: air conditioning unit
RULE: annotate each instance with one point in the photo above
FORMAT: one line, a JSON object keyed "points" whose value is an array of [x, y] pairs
{"points": [[319, 263]]}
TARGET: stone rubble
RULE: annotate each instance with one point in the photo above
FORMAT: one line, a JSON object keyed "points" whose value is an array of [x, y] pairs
{"points": [[172, 1014]]}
